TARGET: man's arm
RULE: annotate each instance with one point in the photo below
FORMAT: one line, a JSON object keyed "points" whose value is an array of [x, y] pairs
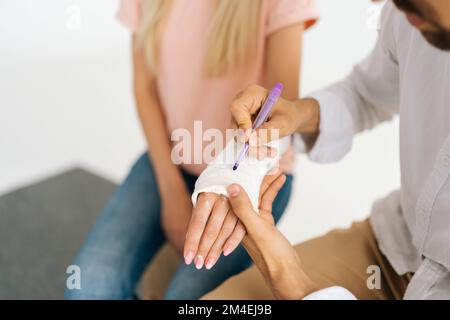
{"points": [[326, 121], [368, 96], [274, 256]]}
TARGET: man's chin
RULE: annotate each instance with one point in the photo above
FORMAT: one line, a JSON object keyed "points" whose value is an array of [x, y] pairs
{"points": [[438, 40]]}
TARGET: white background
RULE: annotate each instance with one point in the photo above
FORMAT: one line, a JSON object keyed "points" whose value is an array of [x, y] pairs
{"points": [[65, 100]]}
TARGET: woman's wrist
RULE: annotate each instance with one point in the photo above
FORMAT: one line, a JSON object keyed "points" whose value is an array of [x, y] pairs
{"points": [[172, 189], [170, 182]]}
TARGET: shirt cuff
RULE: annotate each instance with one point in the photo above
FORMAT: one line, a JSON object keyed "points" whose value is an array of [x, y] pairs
{"points": [[336, 130], [332, 293]]}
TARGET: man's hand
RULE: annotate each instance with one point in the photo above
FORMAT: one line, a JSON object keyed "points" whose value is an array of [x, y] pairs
{"points": [[213, 229], [271, 252], [287, 117]]}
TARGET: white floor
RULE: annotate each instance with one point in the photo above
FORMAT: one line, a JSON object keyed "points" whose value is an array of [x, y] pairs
{"points": [[65, 100]]}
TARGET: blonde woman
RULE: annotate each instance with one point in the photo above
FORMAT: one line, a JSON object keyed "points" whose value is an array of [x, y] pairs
{"points": [[190, 59]]}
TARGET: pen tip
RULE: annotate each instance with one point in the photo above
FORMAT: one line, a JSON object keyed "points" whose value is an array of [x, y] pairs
{"points": [[235, 167]]}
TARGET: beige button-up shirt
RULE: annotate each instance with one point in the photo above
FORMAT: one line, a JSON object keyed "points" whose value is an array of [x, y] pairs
{"points": [[403, 75]]}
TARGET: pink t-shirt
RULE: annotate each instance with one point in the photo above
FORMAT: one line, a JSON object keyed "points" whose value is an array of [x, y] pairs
{"points": [[186, 93]]}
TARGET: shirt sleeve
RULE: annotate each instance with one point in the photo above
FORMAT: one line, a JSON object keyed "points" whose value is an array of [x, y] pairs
{"points": [[368, 96], [129, 14], [282, 13], [431, 281], [219, 174], [332, 293]]}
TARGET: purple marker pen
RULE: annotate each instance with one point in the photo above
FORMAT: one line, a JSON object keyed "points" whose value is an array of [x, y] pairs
{"points": [[273, 97]]}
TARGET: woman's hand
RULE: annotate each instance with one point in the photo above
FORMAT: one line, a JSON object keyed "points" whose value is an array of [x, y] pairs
{"points": [[213, 229], [271, 252], [175, 215], [287, 117]]}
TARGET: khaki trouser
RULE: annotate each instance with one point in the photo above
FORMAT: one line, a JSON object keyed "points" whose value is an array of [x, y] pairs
{"points": [[339, 258]]}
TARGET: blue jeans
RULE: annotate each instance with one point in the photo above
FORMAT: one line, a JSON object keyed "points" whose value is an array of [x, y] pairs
{"points": [[128, 234]]}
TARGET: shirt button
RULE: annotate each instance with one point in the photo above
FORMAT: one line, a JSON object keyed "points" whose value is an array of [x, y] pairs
{"points": [[447, 161]]}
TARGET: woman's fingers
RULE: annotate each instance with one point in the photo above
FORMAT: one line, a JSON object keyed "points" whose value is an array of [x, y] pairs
{"points": [[197, 225], [212, 221], [212, 230], [235, 239], [216, 250]]}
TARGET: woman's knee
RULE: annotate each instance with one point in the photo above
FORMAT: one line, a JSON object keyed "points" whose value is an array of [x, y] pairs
{"points": [[141, 178], [99, 278], [138, 194]]}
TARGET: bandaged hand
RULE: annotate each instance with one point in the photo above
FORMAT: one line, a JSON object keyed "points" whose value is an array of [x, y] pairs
{"points": [[214, 229]]}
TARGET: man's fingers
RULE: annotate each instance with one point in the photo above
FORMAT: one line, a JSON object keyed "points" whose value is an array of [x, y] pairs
{"points": [[266, 152], [241, 115], [262, 152], [227, 229], [271, 176], [197, 225], [246, 104], [242, 206], [212, 230], [235, 239], [269, 196], [274, 129]]}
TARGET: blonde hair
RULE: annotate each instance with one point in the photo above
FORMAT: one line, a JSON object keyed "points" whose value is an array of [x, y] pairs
{"points": [[233, 35]]}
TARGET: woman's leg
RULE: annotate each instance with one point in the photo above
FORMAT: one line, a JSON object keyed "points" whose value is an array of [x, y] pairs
{"points": [[190, 283], [123, 240]]}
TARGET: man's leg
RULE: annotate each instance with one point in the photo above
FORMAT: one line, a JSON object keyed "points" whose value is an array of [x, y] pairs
{"points": [[341, 257]]}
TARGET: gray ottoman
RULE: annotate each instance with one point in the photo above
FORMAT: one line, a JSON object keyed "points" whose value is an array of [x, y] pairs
{"points": [[41, 228]]}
